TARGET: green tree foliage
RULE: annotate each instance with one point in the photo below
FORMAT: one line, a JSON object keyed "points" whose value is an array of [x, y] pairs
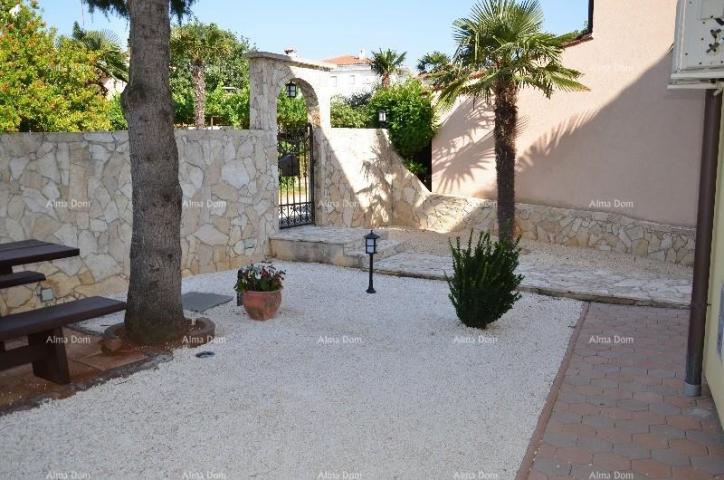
{"points": [[387, 63], [179, 8], [115, 114], [111, 58], [411, 116], [346, 115], [483, 285], [222, 57], [194, 47], [45, 85], [291, 112], [433, 62], [502, 48]]}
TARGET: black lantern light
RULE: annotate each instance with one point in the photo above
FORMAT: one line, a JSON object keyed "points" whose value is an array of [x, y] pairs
{"points": [[382, 117], [370, 249], [292, 90]]}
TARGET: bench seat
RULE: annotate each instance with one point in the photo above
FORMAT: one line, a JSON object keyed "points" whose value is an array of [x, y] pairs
{"points": [[44, 330], [20, 278]]}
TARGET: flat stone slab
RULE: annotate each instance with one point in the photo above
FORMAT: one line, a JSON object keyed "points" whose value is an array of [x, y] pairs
{"points": [[331, 235], [201, 301], [599, 285]]}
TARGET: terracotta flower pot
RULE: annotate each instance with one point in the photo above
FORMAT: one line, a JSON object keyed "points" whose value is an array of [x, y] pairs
{"points": [[262, 305]]}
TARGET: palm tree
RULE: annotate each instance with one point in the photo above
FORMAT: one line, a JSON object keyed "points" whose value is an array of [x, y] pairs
{"points": [[386, 63], [111, 59], [502, 49], [432, 62], [199, 45]]}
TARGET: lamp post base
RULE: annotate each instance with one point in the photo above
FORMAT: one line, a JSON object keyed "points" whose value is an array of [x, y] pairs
{"points": [[371, 288]]}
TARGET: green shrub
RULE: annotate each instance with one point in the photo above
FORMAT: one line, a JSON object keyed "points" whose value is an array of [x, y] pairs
{"points": [[410, 116], [347, 115], [484, 283], [115, 114]]}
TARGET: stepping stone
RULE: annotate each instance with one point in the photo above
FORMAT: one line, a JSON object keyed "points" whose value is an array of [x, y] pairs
{"points": [[200, 301]]}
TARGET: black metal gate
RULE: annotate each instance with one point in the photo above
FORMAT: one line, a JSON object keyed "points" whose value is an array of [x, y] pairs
{"points": [[296, 177]]}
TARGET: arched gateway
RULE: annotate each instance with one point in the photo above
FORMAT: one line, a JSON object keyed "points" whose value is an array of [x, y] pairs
{"points": [[301, 154]]}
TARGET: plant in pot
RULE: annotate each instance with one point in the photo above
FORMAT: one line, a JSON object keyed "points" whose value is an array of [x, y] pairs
{"points": [[259, 289]]}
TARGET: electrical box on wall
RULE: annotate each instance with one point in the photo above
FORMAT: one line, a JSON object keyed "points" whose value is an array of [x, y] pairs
{"points": [[699, 44]]}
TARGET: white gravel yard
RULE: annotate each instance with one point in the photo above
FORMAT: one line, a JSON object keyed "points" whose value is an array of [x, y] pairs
{"points": [[341, 385]]}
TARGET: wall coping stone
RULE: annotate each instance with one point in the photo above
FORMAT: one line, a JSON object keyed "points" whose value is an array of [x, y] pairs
{"points": [[296, 61]]}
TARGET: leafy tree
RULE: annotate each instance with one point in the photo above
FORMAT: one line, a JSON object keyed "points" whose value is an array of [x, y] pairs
{"points": [[230, 108], [433, 62], [226, 79], [111, 60], [502, 49], [347, 115], [45, 85], [154, 313], [115, 114], [411, 118], [195, 45], [291, 112], [387, 63]]}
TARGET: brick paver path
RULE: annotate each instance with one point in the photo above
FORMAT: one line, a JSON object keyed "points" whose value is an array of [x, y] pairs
{"points": [[619, 413]]}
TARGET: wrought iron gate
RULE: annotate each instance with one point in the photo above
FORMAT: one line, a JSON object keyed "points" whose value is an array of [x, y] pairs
{"points": [[296, 177]]}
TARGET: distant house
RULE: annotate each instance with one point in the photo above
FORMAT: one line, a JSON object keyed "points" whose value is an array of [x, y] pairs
{"points": [[354, 74]]}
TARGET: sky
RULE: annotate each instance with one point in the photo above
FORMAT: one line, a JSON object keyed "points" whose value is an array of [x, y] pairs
{"points": [[320, 29]]}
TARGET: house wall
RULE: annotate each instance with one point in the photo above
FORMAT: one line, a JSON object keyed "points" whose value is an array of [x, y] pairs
{"points": [[713, 362], [75, 189], [366, 183], [628, 146]]}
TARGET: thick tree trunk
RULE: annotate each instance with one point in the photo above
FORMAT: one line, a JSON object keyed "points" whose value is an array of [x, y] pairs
{"points": [[385, 80], [154, 314], [506, 120], [198, 77]]}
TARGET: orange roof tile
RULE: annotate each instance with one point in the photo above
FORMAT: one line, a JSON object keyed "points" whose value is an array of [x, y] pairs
{"points": [[348, 60]]}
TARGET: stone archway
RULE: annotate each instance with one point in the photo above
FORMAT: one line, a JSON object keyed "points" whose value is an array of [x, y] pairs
{"points": [[268, 73]]}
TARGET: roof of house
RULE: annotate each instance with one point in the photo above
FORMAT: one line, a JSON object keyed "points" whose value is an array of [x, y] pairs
{"points": [[348, 60]]}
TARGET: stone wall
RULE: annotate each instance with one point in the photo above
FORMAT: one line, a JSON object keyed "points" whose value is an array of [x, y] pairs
{"points": [[75, 189], [367, 185]]}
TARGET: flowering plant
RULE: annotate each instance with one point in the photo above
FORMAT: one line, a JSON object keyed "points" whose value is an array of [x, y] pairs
{"points": [[261, 277]]}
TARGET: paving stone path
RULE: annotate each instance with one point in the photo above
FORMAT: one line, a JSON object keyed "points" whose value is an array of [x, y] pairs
{"points": [[619, 412], [559, 271], [601, 284]]}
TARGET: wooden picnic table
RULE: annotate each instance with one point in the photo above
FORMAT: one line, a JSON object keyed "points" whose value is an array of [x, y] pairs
{"points": [[43, 327], [28, 251], [31, 251]]}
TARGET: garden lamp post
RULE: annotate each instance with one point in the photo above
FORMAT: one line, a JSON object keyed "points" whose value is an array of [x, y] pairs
{"points": [[291, 90], [382, 118], [370, 249]]}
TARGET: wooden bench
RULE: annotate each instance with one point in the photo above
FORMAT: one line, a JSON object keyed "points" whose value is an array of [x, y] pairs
{"points": [[44, 330], [20, 278]]}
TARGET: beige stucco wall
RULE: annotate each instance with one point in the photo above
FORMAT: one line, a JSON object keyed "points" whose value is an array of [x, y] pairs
{"points": [[713, 362], [628, 140], [365, 183]]}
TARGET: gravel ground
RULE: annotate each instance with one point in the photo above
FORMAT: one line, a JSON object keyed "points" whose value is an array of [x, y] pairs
{"points": [[539, 254], [340, 385]]}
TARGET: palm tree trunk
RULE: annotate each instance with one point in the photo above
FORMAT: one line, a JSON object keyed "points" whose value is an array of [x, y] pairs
{"points": [[198, 76], [154, 314], [385, 80], [506, 119]]}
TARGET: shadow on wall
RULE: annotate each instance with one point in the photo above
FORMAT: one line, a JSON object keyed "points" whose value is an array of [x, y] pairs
{"points": [[626, 153], [452, 172]]}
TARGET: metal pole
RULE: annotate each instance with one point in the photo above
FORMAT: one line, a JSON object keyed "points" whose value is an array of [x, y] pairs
{"points": [[371, 288], [702, 255]]}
